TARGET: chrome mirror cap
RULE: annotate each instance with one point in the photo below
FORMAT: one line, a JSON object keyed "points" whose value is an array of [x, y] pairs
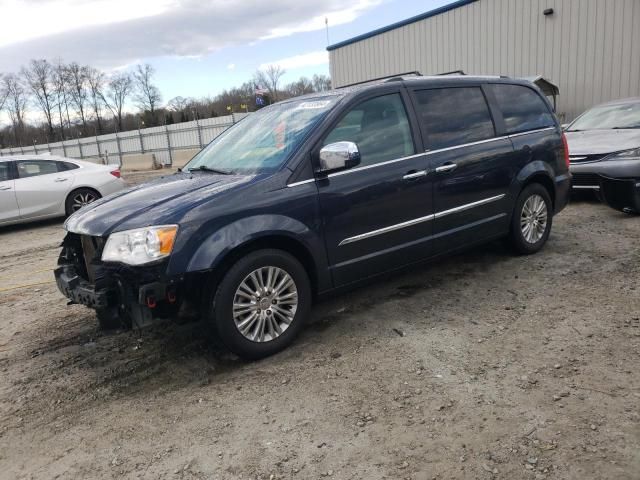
{"points": [[339, 155]]}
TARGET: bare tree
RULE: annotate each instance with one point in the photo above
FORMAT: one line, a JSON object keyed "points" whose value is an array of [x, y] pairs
{"points": [[95, 83], [15, 104], [146, 93], [39, 79], [321, 83], [60, 90], [120, 86], [178, 104], [270, 79], [299, 87], [3, 94], [77, 84]]}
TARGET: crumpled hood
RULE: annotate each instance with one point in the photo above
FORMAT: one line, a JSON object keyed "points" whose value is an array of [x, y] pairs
{"points": [[599, 142], [158, 202]]}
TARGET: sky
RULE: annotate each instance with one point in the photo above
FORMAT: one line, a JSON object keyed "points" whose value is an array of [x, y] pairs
{"points": [[197, 47]]}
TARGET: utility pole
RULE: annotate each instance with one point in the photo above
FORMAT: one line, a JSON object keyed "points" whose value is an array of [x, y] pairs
{"points": [[326, 24]]}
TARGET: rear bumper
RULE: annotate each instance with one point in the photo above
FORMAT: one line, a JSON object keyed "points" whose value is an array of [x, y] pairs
{"points": [[116, 185], [563, 191]]}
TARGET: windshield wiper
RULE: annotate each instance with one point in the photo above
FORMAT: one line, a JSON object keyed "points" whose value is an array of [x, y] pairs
{"points": [[625, 128], [204, 168]]}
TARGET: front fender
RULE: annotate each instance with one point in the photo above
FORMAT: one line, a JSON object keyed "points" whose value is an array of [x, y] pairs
{"points": [[218, 244]]}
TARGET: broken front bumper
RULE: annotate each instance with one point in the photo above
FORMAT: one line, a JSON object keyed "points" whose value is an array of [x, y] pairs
{"points": [[137, 294]]}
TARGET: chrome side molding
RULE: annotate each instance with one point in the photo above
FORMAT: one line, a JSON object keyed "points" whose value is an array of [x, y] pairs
{"points": [[415, 221]]}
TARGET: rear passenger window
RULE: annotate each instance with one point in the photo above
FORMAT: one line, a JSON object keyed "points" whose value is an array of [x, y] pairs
{"points": [[454, 116], [522, 108], [34, 168], [379, 127]]}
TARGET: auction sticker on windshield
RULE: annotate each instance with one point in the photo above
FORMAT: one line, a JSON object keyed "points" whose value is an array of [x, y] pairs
{"points": [[313, 105]]}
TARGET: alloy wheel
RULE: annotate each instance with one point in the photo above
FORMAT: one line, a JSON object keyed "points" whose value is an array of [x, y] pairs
{"points": [[82, 199], [533, 219], [265, 304]]}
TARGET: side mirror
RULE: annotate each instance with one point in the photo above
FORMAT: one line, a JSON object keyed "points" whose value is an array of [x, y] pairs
{"points": [[339, 155]]}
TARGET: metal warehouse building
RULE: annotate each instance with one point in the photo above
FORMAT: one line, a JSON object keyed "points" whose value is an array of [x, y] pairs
{"points": [[589, 48]]}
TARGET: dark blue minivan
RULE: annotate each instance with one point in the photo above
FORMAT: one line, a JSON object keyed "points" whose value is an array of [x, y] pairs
{"points": [[318, 193]]}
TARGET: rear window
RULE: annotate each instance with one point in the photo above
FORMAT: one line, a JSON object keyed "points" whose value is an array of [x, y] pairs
{"points": [[522, 108], [454, 116]]}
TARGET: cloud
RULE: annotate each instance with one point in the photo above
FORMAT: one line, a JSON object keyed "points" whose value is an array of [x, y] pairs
{"points": [[174, 28], [231, 66], [310, 59]]}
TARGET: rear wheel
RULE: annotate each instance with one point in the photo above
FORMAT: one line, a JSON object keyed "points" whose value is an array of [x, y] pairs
{"points": [[531, 220], [80, 198], [261, 303]]}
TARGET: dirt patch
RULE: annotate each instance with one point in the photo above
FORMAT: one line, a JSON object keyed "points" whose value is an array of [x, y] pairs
{"points": [[483, 365]]}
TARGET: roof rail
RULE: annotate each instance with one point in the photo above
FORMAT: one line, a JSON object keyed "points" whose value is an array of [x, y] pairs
{"points": [[453, 72], [387, 78]]}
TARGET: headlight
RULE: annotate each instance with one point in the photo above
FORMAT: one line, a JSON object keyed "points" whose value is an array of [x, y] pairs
{"points": [[633, 154], [140, 246]]}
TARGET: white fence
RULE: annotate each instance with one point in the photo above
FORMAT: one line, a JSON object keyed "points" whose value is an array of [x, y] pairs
{"points": [[161, 141]]}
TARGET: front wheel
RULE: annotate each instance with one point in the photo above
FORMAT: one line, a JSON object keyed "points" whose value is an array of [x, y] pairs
{"points": [[531, 220], [261, 303]]}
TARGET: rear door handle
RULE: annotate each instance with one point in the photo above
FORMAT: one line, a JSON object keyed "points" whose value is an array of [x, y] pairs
{"points": [[5, 187], [61, 179], [447, 167], [415, 174]]}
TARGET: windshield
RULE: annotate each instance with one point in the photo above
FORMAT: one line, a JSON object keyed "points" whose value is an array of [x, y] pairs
{"points": [[264, 140], [606, 117]]}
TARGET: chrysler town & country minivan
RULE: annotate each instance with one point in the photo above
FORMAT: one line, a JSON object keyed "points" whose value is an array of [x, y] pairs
{"points": [[318, 193]]}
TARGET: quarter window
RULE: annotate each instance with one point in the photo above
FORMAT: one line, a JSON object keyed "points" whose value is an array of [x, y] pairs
{"points": [[34, 168], [454, 116], [522, 108], [379, 127], [64, 166]]}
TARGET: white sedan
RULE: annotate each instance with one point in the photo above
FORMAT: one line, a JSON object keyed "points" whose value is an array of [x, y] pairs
{"points": [[38, 187]]}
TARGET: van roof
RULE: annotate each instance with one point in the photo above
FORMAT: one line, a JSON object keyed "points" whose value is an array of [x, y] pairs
{"points": [[425, 80]]}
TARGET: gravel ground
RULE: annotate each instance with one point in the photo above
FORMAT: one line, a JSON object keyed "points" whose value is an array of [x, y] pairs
{"points": [[483, 365]]}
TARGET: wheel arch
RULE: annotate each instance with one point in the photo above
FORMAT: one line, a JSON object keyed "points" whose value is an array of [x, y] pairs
{"points": [[214, 255], [74, 189], [537, 172]]}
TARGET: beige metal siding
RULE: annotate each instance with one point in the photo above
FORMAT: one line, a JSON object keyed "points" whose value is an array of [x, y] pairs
{"points": [[589, 48]]}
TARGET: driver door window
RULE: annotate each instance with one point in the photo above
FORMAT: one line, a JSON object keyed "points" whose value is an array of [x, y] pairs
{"points": [[379, 127]]}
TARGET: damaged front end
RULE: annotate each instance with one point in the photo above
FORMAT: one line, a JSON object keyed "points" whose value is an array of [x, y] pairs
{"points": [[132, 295]]}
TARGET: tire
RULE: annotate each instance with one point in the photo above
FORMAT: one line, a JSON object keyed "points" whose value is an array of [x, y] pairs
{"points": [[269, 310], [79, 198], [523, 240]]}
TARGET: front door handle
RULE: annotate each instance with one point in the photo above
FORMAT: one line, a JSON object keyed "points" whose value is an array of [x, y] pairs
{"points": [[415, 174], [5, 187], [447, 167], [61, 179]]}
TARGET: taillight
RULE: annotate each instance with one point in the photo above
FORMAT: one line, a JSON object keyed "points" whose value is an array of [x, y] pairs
{"points": [[115, 173], [566, 149]]}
